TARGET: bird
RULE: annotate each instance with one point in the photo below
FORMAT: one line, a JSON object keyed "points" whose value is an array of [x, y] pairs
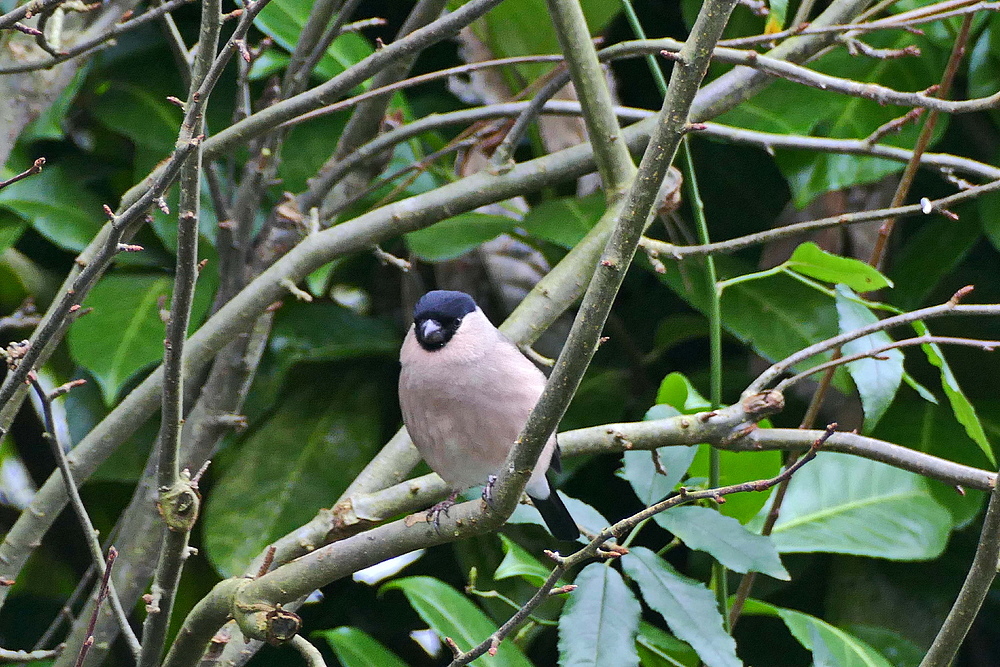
{"points": [[465, 392]]}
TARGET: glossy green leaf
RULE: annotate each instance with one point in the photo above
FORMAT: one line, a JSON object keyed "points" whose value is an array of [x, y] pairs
{"points": [[310, 332], [599, 623], [513, 28], [20, 277], [776, 18], [57, 205], [566, 220], [651, 486], [810, 260], [49, 124], [283, 20], [686, 605], [295, 463], [776, 316], [736, 468], [356, 648], [457, 236], [658, 648], [840, 503], [878, 379], [123, 333], [791, 108], [517, 562], [933, 429], [837, 646], [451, 614], [148, 120], [915, 278], [897, 649], [984, 64], [964, 411], [724, 538], [11, 228], [677, 391]]}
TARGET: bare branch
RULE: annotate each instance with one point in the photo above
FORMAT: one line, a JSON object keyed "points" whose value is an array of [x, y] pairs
{"points": [[35, 168]]}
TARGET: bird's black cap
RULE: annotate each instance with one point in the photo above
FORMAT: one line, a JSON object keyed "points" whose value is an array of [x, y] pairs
{"points": [[443, 305]]}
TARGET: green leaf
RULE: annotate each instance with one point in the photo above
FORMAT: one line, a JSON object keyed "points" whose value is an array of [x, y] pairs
{"points": [[649, 485], [566, 220], [964, 411], [123, 333], [131, 110], [776, 17], [840, 503], [724, 538], [311, 144], [736, 468], [355, 648], [57, 206], [790, 108], [896, 648], [658, 648], [877, 380], [686, 605], [517, 562], [311, 332], [283, 20], [677, 391], [458, 235], [49, 124], [325, 434], [916, 278], [776, 316], [841, 648], [933, 429], [513, 28], [451, 614], [599, 623], [984, 65], [11, 228], [810, 260]]}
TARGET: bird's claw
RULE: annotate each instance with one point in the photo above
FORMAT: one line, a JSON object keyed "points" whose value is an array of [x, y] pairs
{"points": [[488, 490], [434, 513]]}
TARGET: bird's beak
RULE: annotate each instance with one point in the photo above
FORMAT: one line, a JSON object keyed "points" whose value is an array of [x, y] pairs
{"points": [[431, 332]]}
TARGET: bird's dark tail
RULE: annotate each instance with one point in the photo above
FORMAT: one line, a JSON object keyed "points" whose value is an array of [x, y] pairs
{"points": [[556, 516]]}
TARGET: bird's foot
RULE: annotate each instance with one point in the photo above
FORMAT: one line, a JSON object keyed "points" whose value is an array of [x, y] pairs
{"points": [[488, 490], [434, 513]]}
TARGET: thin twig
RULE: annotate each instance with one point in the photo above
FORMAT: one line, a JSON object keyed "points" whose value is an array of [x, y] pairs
{"points": [[873, 91], [7, 655], [35, 168], [89, 533], [669, 250], [896, 22], [106, 588], [987, 345], [949, 307], [309, 653], [417, 80]]}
